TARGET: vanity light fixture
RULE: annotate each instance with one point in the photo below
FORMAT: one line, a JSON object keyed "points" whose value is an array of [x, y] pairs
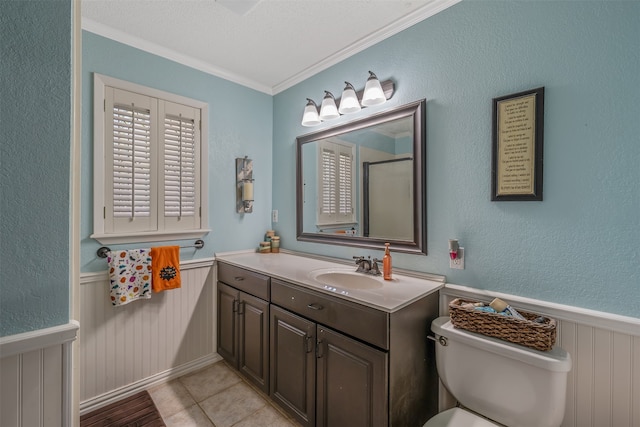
{"points": [[374, 93], [349, 100], [244, 185], [328, 110], [310, 116]]}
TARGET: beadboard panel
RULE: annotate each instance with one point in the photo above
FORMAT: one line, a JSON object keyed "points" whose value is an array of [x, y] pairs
{"points": [[122, 346], [603, 388], [34, 377]]}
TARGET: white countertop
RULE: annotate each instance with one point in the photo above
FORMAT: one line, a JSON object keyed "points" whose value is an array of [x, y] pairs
{"points": [[391, 296]]}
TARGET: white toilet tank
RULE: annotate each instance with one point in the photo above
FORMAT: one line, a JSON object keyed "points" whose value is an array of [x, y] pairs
{"points": [[507, 383]]}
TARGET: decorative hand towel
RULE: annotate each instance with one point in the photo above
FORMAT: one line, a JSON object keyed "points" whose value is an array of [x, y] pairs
{"points": [[130, 275], [166, 268]]}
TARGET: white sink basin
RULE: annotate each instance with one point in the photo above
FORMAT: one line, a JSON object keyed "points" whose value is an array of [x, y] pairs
{"points": [[346, 279]]}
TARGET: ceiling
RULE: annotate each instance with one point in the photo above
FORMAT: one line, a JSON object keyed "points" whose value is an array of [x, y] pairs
{"points": [[267, 45]]}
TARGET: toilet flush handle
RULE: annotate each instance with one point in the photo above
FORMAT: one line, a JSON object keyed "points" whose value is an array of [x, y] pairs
{"points": [[442, 340]]}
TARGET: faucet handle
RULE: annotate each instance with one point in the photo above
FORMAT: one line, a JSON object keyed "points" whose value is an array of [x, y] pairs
{"points": [[374, 267], [358, 259]]}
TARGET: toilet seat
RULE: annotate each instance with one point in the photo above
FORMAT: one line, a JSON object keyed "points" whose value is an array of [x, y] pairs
{"points": [[458, 417]]}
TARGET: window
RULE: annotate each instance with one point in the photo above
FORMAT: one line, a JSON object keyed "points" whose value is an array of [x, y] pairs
{"points": [[336, 183], [149, 179]]}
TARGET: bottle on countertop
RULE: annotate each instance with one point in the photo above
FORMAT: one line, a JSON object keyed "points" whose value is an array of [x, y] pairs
{"points": [[386, 263]]}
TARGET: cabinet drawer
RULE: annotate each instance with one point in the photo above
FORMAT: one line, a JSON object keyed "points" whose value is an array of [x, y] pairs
{"points": [[361, 322], [252, 283]]}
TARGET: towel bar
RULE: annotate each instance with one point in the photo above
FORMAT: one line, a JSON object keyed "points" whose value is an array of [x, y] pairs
{"points": [[102, 252]]}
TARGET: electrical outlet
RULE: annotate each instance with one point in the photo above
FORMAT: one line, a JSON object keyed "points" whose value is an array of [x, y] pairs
{"points": [[458, 263], [274, 216]]}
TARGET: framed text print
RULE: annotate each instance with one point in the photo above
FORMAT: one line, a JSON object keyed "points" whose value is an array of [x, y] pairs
{"points": [[517, 155]]}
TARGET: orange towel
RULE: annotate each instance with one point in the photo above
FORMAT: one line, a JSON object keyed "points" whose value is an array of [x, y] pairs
{"points": [[165, 268]]}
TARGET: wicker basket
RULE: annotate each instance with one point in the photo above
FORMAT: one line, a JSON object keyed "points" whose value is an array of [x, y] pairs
{"points": [[540, 336]]}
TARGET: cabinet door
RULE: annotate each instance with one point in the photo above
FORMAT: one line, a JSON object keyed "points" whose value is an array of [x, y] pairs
{"points": [[253, 360], [228, 302], [351, 382], [293, 364]]}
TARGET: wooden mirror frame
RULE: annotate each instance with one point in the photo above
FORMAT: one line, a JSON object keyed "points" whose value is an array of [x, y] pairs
{"points": [[416, 110]]}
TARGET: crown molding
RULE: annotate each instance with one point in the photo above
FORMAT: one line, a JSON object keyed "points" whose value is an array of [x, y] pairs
{"points": [[153, 48], [366, 42], [407, 21]]}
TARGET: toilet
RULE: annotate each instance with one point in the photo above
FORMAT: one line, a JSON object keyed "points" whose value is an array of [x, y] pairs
{"points": [[497, 383]]}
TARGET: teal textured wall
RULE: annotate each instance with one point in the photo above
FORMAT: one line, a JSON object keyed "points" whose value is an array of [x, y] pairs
{"points": [[580, 245], [577, 247], [240, 124], [35, 116]]}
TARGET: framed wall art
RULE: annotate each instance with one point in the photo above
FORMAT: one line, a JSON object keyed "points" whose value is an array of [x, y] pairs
{"points": [[517, 152]]}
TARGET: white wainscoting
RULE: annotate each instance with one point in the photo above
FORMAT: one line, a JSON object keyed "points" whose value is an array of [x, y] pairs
{"points": [[35, 377], [128, 348], [604, 383]]}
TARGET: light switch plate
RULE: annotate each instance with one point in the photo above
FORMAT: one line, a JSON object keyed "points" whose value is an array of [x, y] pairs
{"points": [[274, 216]]}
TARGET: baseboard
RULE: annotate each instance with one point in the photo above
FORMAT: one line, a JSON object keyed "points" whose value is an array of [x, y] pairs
{"points": [[160, 378]]}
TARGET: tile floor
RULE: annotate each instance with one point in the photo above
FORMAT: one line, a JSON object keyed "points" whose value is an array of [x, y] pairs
{"points": [[216, 396]]}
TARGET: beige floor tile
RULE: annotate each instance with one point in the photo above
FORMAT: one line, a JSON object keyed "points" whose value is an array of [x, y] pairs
{"points": [[234, 404], [209, 381], [190, 417], [171, 398], [265, 417]]}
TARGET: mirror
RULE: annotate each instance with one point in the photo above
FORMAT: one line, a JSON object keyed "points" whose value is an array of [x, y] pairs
{"points": [[363, 183]]}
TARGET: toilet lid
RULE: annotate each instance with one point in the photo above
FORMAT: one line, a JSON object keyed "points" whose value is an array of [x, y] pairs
{"points": [[458, 417]]}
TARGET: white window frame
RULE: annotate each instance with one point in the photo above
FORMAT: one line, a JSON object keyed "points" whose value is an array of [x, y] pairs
{"points": [[100, 196], [336, 218]]}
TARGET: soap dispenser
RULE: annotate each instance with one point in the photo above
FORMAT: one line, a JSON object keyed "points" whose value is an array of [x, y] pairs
{"points": [[386, 263]]}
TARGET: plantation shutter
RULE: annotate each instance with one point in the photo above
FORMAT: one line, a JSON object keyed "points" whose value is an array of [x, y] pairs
{"points": [[129, 162], [336, 184], [180, 174]]}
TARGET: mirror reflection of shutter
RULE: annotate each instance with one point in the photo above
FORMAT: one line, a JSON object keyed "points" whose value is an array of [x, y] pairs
{"points": [[336, 190], [345, 186], [130, 189], [180, 176], [328, 190]]}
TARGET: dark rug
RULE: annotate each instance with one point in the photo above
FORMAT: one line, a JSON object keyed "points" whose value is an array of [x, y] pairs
{"points": [[134, 411]]}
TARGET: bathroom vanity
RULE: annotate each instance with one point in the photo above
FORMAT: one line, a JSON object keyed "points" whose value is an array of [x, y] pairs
{"points": [[330, 346]]}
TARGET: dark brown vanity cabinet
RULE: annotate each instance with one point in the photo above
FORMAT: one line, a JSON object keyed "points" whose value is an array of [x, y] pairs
{"points": [[372, 368], [243, 322], [329, 361]]}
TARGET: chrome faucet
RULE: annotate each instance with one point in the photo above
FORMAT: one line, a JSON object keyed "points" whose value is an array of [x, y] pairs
{"points": [[364, 265], [367, 265]]}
